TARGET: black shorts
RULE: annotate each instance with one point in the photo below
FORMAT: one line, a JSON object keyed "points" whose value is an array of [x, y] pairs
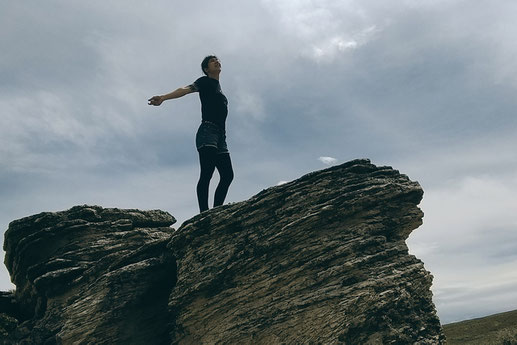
{"points": [[211, 135]]}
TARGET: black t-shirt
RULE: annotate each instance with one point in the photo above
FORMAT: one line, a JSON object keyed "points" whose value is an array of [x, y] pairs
{"points": [[214, 104]]}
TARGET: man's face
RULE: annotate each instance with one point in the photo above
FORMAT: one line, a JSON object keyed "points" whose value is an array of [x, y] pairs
{"points": [[214, 65]]}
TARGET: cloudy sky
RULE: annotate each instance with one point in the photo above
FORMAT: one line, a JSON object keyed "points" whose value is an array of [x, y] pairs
{"points": [[426, 86]]}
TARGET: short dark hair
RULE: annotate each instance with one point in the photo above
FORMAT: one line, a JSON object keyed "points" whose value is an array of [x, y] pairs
{"points": [[204, 63]]}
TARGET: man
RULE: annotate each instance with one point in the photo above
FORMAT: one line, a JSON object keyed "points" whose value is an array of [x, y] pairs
{"points": [[211, 135]]}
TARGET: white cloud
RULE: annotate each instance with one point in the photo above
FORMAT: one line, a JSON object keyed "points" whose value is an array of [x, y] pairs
{"points": [[327, 160], [469, 236], [476, 292], [249, 103], [324, 29], [326, 50]]}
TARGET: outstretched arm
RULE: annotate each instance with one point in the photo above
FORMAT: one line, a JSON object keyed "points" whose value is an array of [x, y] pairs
{"points": [[180, 92]]}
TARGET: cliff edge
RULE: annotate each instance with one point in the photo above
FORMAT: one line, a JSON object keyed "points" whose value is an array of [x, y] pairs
{"points": [[319, 260]]}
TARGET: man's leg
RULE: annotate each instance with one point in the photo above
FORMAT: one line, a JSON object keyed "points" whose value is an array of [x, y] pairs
{"points": [[224, 167], [207, 160]]}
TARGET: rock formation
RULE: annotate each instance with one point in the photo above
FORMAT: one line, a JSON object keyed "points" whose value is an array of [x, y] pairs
{"points": [[319, 260]]}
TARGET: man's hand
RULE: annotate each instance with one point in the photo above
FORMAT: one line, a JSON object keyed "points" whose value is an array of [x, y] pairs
{"points": [[155, 100]]}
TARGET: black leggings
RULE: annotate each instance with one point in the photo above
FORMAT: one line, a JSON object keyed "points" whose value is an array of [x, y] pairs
{"points": [[209, 159]]}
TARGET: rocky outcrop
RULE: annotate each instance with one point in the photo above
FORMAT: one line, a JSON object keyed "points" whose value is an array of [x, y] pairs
{"points": [[91, 276], [319, 260]]}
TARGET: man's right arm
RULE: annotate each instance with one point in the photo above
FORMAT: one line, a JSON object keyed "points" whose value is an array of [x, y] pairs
{"points": [[179, 92]]}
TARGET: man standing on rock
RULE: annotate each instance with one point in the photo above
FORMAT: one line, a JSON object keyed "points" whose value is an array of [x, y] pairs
{"points": [[211, 135]]}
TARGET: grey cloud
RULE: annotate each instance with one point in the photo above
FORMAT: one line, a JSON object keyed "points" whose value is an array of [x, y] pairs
{"points": [[456, 303], [427, 87]]}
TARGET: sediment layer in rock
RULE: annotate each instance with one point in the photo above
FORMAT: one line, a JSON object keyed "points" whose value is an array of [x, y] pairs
{"points": [[322, 259]]}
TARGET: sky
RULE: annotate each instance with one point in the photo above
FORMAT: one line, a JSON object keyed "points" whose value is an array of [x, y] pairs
{"points": [[427, 87]]}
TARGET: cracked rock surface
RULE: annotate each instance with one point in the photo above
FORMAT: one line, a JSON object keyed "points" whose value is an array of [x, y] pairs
{"points": [[319, 260]]}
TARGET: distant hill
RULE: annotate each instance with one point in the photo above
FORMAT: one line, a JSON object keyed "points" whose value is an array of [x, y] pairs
{"points": [[498, 329]]}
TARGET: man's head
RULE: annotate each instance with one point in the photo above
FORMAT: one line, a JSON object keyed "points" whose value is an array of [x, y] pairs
{"points": [[211, 61]]}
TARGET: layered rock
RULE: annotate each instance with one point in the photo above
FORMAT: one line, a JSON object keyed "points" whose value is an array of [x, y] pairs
{"points": [[91, 276], [321, 259]]}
